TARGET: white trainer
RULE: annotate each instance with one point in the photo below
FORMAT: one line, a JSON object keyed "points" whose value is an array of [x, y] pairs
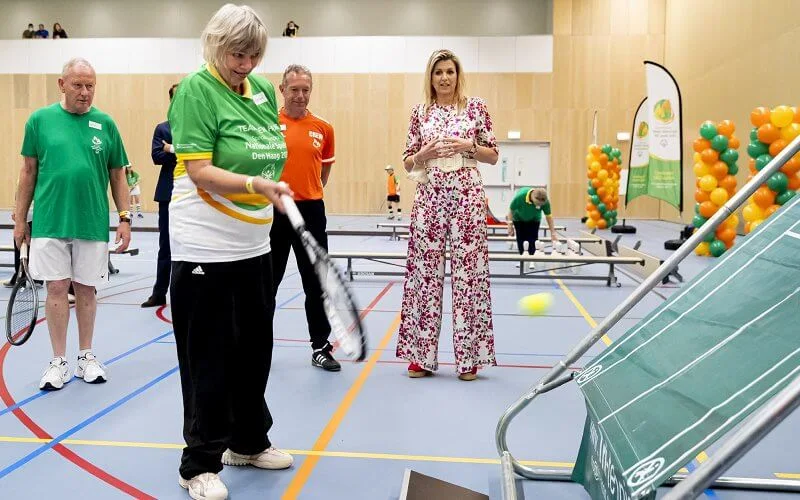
{"points": [[205, 486], [91, 370], [55, 376], [271, 458]]}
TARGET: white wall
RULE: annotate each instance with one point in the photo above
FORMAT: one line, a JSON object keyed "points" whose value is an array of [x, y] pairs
{"points": [[186, 18], [522, 54]]}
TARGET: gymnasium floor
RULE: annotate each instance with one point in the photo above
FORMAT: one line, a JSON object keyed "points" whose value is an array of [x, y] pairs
{"points": [[352, 433]]}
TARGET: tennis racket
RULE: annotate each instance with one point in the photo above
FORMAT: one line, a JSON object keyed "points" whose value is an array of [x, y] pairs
{"points": [[337, 300], [23, 306]]}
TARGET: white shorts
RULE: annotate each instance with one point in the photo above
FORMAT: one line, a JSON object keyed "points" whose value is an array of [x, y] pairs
{"points": [[135, 191], [82, 261]]}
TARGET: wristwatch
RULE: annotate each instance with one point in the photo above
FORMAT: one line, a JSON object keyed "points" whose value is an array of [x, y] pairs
{"points": [[124, 219]]}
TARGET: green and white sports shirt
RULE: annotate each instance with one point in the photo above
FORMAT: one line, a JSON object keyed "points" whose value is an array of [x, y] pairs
{"points": [[238, 133]]}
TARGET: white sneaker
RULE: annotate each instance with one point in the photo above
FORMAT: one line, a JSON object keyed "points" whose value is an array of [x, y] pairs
{"points": [[71, 298], [271, 458], [91, 370], [9, 283], [205, 486], [55, 376], [390, 216]]}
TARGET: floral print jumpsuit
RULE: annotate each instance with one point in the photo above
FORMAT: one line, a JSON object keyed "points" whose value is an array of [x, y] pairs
{"points": [[449, 208]]}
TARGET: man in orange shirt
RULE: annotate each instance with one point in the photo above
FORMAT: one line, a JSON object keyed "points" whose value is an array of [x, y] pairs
{"points": [[309, 141]]}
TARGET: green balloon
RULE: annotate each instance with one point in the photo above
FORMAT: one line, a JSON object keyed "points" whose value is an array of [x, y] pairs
{"points": [[756, 149], [778, 182], [602, 208], [614, 214], [595, 199], [606, 149], [592, 191], [697, 209], [719, 143], [762, 161], [708, 130], [698, 220], [754, 134], [616, 153], [717, 248], [733, 169], [729, 156], [710, 237], [785, 196]]}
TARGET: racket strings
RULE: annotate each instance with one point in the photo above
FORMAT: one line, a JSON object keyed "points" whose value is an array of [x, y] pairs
{"points": [[23, 309]]}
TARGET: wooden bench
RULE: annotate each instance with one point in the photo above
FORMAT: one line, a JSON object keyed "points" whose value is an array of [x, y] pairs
{"points": [[567, 261], [399, 228]]}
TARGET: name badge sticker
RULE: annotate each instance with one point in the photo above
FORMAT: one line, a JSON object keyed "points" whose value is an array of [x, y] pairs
{"points": [[95, 125], [259, 99]]}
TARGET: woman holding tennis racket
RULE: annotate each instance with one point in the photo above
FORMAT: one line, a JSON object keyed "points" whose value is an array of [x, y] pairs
{"points": [[447, 136], [230, 153]]}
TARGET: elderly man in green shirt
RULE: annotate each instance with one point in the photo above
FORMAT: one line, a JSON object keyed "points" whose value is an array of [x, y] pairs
{"points": [[525, 216]]}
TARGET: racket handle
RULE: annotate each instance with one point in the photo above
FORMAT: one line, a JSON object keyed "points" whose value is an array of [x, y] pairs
{"points": [[295, 219], [23, 250]]}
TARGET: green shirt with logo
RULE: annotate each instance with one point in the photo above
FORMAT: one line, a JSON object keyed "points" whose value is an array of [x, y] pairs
{"points": [[525, 211], [75, 153], [239, 133], [133, 178]]}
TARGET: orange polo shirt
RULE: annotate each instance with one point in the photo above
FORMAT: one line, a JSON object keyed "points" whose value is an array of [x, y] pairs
{"points": [[310, 144], [391, 185]]}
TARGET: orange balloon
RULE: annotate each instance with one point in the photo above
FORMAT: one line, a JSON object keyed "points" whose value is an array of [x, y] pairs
{"points": [[728, 182], [590, 207], [608, 200], [768, 133], [719, 170], [764, 197], [794, 182], [591, 174], [697, 182], [700, 144], [791, 167], [726, 128], [796, 118], [759, 116], [602, 224], [776, 147], [594, 214], [707, 209], [603, 159], [726, 234], [751, 164], [733, 143], [771, 210], [728, 245], [595, 150], [709, 156], [601, 192]]}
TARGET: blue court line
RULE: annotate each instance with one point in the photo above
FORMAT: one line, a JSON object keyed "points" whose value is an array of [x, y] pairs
{"points": [[38, 395], [280, 306], [56, 440]]}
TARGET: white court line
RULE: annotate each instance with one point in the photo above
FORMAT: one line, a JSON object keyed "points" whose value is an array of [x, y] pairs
{"points": [[700, 358], [793, 234], [708, 438], [708, 295], [726, 256]]}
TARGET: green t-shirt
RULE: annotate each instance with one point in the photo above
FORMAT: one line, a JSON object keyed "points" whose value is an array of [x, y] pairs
{"points": [[522, 210], [238, 133], [133, 178], [74, 154]]}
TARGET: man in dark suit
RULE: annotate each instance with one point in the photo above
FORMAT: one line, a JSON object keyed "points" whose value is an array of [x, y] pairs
{"points": [[163, 154]]}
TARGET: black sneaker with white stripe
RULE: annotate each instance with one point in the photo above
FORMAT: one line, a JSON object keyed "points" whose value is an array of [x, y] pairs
{"points": [[322, 358]]}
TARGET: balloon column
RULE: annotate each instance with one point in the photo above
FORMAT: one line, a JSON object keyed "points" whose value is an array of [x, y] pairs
{"points": [[772, 131], [715, 159], [603, 173]]}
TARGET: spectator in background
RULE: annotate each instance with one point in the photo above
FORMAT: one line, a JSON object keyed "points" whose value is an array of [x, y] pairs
{"points": [[28, 33], [291, 29], [163, 153], [42, 33], [58, 31]]}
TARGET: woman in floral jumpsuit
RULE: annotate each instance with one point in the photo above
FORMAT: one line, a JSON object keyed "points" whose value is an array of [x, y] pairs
{"points": [[447, 136]]}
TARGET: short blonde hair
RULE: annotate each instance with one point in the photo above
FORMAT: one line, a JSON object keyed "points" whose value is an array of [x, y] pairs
{"points": [[233, 28], [430, 92], [538, 195], [73, 63]]}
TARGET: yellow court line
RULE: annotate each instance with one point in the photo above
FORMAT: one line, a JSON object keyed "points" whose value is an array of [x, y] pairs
{"points": [[330, 454], [303, 473], [588, 317], [786, 475]]}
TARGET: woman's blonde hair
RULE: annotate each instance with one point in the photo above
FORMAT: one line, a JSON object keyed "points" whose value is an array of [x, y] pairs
{"points": [[538, 195], [458, 94], [233, 28]]}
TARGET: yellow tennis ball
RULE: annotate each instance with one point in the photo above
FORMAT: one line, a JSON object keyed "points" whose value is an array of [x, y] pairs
{"points": [[536, 304]]}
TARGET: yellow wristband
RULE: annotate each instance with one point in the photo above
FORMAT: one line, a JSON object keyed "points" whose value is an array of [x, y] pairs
{"points": [[248, 185], [124, 213]]}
